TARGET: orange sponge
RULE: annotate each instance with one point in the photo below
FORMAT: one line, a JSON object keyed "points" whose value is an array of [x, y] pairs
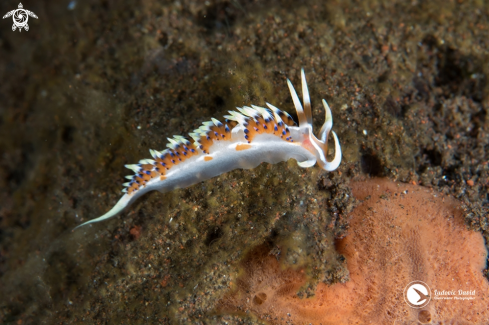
{"points": [[399, 233]]}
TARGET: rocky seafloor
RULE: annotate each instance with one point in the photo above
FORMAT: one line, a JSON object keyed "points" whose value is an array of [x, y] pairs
{"points": [[94, 85]]}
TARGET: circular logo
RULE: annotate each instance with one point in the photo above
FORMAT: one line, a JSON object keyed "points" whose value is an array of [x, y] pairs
{"points": [[417, 294], [20, 18]]}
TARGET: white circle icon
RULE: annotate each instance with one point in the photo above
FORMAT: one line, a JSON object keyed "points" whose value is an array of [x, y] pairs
{"points": [[417, 294]]}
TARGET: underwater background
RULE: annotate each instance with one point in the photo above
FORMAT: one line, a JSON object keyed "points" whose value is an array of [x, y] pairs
{"points": [[93, 85]]}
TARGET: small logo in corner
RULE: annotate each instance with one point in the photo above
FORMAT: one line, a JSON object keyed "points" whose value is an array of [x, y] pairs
{"points": [[20, 17], [417, 294]]}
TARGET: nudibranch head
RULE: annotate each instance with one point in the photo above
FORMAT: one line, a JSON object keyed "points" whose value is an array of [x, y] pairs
{"points": [[318, 146], [248, 137]]}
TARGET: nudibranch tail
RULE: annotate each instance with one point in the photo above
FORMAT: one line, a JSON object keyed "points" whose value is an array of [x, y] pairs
{"points": [[123, 203], [249, 136]]}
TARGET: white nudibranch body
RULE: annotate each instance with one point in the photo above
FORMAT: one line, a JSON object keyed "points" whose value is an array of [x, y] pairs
{"points": [[247, 138]]}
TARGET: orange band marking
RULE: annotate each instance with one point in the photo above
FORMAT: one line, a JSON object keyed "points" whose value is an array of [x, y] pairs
{"points": [[208, 158], [240, 147]]}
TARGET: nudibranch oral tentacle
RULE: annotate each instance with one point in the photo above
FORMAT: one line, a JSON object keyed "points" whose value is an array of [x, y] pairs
{"points": [[248, 137]]}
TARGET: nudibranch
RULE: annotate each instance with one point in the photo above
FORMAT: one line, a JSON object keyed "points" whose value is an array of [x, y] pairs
{"points": [[248, 137]]}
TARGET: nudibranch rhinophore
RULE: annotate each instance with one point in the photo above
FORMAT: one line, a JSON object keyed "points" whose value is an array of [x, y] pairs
{"points": [[247, 138]]}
